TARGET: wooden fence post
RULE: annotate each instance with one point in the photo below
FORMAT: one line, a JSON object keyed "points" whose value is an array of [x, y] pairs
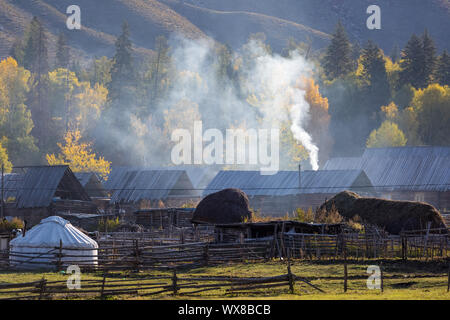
{"points": [[448, 277], [137, 255], [206, 255], [345, 270], [290, 276], [102, 290], [381, 277], [174, 282], [42, 286], [59, 266]]}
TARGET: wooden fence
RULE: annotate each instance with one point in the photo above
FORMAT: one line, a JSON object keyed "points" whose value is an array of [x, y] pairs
{"points": [[141, 252], [360, 246], [175, 284], [137, 256]]}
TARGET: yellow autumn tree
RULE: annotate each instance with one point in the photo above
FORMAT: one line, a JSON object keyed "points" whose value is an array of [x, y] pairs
{"points": [[4, 161], [79, 156], [320, 119], [388, 135], [432, 108]]}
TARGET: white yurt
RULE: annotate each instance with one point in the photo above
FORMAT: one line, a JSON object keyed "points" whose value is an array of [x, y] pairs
{"points": [[40, 247]]}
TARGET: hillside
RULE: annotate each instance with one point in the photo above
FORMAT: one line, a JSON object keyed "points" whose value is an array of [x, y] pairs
{"points": [[230, 21], [101, 22], [400, 18]]}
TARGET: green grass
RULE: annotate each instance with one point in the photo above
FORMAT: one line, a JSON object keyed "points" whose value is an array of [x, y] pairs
{"points": [[415, 280]]}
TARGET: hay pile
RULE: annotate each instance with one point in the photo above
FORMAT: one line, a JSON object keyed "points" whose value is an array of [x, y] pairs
{"points": [[226, 206], [392, 216]]}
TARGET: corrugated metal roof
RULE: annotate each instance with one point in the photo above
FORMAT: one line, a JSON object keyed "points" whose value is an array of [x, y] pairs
{"points": [[11, 185], [402, 168], [150, 185], [83, 177], [36, 186], [199, 176], [91, 183], [287, 182]]}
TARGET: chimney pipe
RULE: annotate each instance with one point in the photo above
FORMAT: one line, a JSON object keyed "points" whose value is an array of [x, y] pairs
{"points": [[300, 178]]}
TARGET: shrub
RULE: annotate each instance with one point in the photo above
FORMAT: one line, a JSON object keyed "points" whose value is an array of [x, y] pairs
{"points": [[8, 226], [304, 216], [108, 225], [328, 216]]}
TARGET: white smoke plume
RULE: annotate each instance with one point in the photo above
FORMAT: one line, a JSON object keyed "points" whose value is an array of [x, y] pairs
{"points": [[272, 80]]}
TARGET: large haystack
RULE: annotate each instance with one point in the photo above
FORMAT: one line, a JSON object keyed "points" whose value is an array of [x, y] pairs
{"points": [[392, 216], [226, 206]]}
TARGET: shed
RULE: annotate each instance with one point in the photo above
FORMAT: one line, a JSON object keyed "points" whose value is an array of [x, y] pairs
{"points": [[235, 232], [39, 247]]}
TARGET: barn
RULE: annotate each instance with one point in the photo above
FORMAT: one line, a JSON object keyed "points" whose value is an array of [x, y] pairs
{"points": [[404, 173], [285, 191], [36, 192]]}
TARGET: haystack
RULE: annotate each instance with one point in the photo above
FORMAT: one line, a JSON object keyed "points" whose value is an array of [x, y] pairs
{"points": [[392, 216], [226, 206]]}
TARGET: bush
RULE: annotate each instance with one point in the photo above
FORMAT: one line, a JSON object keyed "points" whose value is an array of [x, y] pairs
{"points": [[8, 226], [108, 225], [330, 216], [304, 216]]}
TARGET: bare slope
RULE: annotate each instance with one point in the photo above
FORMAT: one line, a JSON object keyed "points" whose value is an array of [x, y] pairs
{"points": [[101, 22], [400, 18]]}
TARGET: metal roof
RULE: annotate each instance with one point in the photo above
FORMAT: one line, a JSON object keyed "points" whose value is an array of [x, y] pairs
{"points": [[91, 183], [287, 182], [402, 168], [37, 186], [151, 185], [199, 176], [84, 177]]}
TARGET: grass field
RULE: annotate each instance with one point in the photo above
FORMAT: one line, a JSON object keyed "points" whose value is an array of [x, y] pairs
{"points": [[414, 280]]}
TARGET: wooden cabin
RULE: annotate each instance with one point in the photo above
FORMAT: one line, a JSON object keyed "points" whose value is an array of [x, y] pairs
{"points": [[34, 193]]}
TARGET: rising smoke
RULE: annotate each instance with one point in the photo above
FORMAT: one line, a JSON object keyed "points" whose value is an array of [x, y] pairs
{"points": [[265, 93]]}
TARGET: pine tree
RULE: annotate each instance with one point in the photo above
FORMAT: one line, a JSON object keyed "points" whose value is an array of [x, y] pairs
{"points": [[412, 63], [375, 75], [62, 52], [122, 71], [35, 52], [337, 61], [429, 51], [442, 71], [395, 53], [36, 61], [17, 51]]}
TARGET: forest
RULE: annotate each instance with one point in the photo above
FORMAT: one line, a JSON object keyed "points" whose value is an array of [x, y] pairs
{"points": [[121, 110]]}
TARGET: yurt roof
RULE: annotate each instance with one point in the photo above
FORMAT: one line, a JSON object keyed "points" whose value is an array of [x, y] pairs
{"points": [[50, 231]]}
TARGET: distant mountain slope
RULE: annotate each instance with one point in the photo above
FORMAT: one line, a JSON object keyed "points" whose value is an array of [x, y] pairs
{"points": [[400, 18], [234, 27], [228, 21], [101, 22]]}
